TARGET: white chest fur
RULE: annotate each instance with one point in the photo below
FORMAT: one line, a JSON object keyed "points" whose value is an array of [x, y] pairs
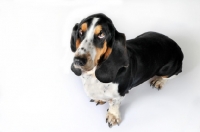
{"points": [[97, 90]]}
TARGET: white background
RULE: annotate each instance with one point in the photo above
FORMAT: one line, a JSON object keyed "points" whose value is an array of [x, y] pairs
{"points": [[39, 93]]}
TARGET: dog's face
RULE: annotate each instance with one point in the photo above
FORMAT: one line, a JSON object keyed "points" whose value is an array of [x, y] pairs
{"points": [[94, 42], [92, 37]]}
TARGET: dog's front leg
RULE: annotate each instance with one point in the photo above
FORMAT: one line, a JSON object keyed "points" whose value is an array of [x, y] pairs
{"points": [[113, 115]]}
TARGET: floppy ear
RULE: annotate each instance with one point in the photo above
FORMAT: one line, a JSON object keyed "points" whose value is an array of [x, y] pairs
{"points": [[74, 40], [118, 58], [74, 43]]}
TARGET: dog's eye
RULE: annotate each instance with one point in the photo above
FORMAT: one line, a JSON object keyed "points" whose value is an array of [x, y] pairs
{"points": [[101, 35], [80, 32]]}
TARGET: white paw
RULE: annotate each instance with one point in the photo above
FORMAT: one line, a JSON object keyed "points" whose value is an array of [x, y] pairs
{"points": [[157, 82], [113, 118]]}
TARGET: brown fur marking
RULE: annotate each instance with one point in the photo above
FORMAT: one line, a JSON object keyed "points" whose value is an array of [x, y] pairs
{"points": [[77, 43], [100, 52], [84, 27], [97, 29], [108, 52]]}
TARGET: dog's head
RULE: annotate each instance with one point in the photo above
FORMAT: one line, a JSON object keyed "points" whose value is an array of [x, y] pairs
{"points": [[97, 43]]}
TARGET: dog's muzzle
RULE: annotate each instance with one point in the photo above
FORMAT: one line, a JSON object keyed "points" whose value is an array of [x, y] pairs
{"points": [[80, 61]]}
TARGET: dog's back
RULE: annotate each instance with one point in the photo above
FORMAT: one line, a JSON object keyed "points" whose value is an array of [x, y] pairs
{"points": [[151, 54]]}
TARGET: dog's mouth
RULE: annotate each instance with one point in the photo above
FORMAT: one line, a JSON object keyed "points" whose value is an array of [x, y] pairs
{"points": [[84, 68]]}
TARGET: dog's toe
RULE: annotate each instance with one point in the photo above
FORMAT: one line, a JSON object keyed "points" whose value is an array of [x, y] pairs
{"points": [[112, 119], [98, 102]]}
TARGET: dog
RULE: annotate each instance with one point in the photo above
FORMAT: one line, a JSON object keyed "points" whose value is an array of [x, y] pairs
{"points": [[110, 65]]}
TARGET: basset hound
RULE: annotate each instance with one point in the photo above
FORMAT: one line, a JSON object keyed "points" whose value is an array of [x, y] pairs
{"points": [[110, 65]]}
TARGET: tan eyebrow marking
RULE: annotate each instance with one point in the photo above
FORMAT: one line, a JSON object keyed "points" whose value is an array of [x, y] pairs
{"points": [[84, 27], [97, 29]]}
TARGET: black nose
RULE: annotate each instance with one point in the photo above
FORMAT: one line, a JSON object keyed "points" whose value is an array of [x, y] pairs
{"points": [[80, 61]]}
